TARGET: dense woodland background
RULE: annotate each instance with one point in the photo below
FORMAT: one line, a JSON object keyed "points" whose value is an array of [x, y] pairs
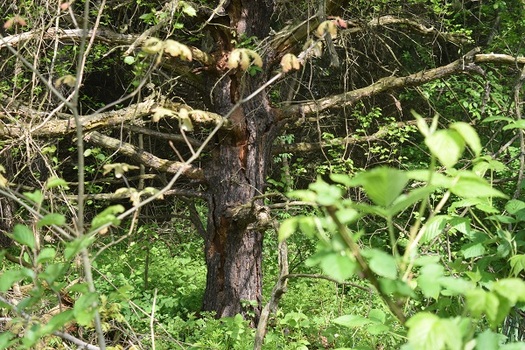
{"points": [[270, 174]]}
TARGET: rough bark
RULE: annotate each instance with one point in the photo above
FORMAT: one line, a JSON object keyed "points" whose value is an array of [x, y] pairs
{"points": [[233, 250]]}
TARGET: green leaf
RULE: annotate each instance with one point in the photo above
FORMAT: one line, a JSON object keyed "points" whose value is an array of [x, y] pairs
{"points": [[58, 321], [514, 206], [383, 185], [428, 332], [377, 328], [304, 195], [515, 124], [342, 179], [480, 302], [326, 194], [35, 196], [470, 136], [517, 264], [488, 340], [454, 285], [53, 272], [512, 289], [473, 250], [45, 255], [434, 227], [287, 228], [421, 124], [129, 60], [23, 235], [405, 201], [498, 118], [85, 307], [381, 263], [107, 216], [53, 182], [427, 280], [351, 321], [337, 266], [9, 277], [470, 185], [6, 340], [377, 315], [51, 219], [76, 245], [188, 9], [446, 145]]}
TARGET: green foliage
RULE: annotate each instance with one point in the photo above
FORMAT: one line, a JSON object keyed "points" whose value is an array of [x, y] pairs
{"points": [[418, 277]]}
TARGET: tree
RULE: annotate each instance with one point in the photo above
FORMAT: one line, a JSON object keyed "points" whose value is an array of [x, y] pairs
{"points": [[234, 72]]}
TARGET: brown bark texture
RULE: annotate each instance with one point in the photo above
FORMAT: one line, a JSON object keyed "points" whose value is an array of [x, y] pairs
{"points": [[233, 250]]}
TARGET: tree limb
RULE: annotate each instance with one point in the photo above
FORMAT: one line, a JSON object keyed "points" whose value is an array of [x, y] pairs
{"points": [[348, 140], [462, 65], [144, 157], [116, 118], [101, 35]]}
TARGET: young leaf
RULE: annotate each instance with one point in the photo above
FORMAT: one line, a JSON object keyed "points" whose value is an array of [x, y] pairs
{"points": [[383, 185], [426, 281], [53, 182], [51, 219], [107, 216], [517, 264], [9, 277], [23, 235], [73, 247], [512, 289], [469, 135], [446, 145], [352, 321], [152, 46], [84, 309], [337, 266], [287, 228], [35, 196], [46, 254], [469, 185], [383, 264]]}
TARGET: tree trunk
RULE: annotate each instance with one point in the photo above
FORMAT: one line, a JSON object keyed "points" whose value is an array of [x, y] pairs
{"points": [[240, 161]]}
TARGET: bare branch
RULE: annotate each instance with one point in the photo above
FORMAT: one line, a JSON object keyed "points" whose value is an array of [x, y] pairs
{"points": [[101, 35], [462, 65], [349, 140], [127, 115], [144, 157]]}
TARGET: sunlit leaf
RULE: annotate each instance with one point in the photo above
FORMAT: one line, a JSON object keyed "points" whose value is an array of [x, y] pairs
{"points": [[470, 136], [287, 228], [351, 321], [383, 185], [446, 145], [427, 280], [381, 263], [338, 266]]}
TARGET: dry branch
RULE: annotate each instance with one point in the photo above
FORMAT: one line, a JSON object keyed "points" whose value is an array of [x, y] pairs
{"points": [[349, 140], [144, 157], [128, 115], [101, 35], [466, 64]]}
